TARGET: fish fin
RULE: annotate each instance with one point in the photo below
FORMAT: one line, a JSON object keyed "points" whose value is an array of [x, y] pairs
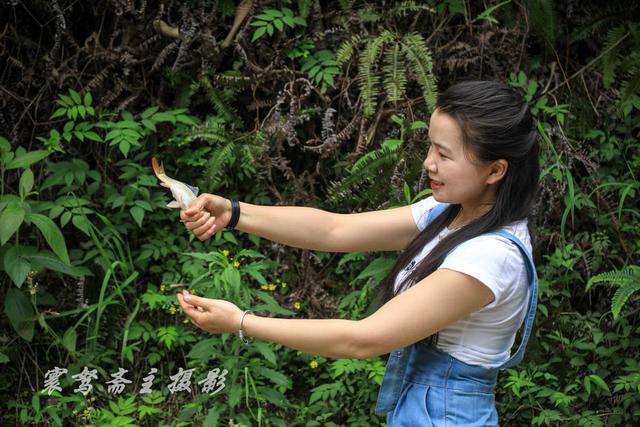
{"points": [[173, 204], [193, 189]]}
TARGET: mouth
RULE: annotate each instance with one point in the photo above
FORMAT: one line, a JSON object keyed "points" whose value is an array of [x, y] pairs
{"points": [[436, 184]]}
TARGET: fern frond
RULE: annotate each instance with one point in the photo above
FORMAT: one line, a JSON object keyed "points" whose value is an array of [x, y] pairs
{"points": [[543, 18], [212, 130], [419, 57], [622, 295], [407, 7], [366, 168], [367, 76], [616, 277], [611, 60], [630, 86], [221, 158], [395, 78], [345, 51], [220, 104]]}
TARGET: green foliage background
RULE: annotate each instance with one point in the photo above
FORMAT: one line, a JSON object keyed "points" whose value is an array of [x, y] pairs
{"points": [[309, 103]]}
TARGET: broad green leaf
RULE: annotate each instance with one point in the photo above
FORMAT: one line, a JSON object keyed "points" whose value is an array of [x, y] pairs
{"points": [[26, 182], [265, 350], [259, 33], [10, 220], [46, 259], [51, 234], [26, 159], [15, 265], [69, 339], [278, 24], [87, 99], [378, 268], [75, 96], [20, 313], [138, 214]]}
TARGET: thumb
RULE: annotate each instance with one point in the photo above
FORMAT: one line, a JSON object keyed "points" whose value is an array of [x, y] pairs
{"points": [[196, 300], [197, 205]]}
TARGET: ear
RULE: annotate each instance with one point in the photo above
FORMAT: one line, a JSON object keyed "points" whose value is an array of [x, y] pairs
{"points": [[497, 171]]}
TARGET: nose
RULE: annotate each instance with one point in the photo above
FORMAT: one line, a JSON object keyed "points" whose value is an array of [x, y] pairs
{"points": [[429, 163]]}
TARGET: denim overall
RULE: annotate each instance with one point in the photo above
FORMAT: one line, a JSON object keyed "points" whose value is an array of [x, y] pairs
{"points": [[425, 386]]}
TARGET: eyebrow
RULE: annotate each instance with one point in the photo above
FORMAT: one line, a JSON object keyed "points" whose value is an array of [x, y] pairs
{"points": [[442, 147]]}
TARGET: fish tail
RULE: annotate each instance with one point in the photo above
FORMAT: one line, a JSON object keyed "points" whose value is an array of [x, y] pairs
{"points": [[158, 169]]}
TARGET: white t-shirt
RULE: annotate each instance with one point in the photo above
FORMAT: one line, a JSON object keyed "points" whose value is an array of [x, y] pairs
{"points": [[483, 337]]}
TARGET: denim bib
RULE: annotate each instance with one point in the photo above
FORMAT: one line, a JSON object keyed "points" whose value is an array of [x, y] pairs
{"points": [[425, 386]]}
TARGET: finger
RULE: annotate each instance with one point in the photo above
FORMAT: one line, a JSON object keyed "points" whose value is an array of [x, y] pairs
{"points": [[196, 205], [192, 225], [197, 301], [206, 226], [194, 217], [195, 313]]}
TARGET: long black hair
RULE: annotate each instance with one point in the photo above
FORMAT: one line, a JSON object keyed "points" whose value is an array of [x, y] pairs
{"points": [[496, 124]]}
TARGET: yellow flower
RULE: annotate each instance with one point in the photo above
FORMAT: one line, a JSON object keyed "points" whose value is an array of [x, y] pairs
{"points": [[185, 321], [284, 285], [265, 287], [272, 287], [236, 264], [162, 287], [313, 364], [296, 305], [225, 253], [172, 310]]}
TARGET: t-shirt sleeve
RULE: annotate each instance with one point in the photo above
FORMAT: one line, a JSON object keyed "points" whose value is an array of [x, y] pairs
{"points": [[493, 260], [420, 211]]}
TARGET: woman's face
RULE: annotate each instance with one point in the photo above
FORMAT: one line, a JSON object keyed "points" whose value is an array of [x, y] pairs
{"points": [[456, 176]]}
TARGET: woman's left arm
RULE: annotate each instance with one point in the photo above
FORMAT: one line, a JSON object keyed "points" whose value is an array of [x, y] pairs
{"points": [[440, 299]]}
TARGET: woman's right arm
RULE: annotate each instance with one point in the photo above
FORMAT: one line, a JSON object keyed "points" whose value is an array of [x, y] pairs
{"points": [[307, 228]]}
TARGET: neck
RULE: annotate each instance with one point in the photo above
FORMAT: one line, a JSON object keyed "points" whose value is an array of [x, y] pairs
{"points": [[468, 214]]}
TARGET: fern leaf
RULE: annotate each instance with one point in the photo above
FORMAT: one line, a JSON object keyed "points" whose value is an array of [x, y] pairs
{"points": [[622, 295], [419, 57], [395, 80], [345, 51], [611, 60], [222, 157], [367, 76], [616, 277]]}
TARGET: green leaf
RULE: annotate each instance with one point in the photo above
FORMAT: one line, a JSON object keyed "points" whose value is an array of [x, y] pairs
{"points": [[52, 235], [4, 358], [265, 350], [138, 214], [88, 99], [278, 24], [15, 265], [82, 223], [26, 159], [270, 29], [47, 259], [10, 220], [599, 382], [378, 268], [58, 113], [26, 182], [69, 340], [75, 96], [20, 313]]}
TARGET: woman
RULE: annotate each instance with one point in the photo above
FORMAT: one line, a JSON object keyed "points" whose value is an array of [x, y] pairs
{"points": [[460, 290]]}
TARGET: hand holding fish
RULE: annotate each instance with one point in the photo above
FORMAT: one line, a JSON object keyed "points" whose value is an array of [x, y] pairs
{"points": [[207, 214]]}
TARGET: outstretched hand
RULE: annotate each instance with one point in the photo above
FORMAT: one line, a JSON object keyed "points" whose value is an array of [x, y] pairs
{"points": [[211, 315], [207, 214]]}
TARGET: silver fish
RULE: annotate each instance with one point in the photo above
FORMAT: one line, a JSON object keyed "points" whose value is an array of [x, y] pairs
{"points": [[183, 194]]}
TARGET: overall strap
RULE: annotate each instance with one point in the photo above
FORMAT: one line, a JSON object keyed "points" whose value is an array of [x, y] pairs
{"points": [[436, 211], [533, 299]]}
